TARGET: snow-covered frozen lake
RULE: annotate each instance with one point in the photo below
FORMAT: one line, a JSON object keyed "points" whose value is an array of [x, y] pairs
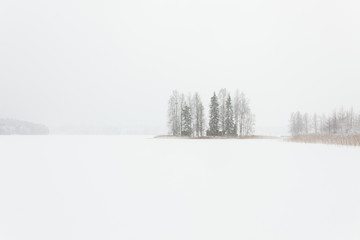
{"points": [[117, 187]]}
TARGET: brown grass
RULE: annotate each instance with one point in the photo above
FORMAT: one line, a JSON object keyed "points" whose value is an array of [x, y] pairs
{"points": [[351, 140]]}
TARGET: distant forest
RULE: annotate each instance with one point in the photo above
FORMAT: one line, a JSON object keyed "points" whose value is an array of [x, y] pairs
{"points": [[12, 126], [340, 127], [340, 122], [227, 116]]}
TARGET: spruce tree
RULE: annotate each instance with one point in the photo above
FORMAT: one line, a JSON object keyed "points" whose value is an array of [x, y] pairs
{"points": [[222, 97], [186, 121], [214, 116], [229, 118]]}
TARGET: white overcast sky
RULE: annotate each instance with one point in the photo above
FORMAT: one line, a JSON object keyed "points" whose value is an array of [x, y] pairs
{"points": [[116, 62]]}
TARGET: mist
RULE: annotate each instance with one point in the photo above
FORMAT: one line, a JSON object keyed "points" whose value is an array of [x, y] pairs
{"points": [[115, 63]]}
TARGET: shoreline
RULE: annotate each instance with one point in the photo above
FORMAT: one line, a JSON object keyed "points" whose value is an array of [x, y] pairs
{"points": [[215, 137]]}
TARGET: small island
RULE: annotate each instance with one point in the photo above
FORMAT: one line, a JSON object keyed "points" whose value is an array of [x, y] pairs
{"points": [[229, 117]]}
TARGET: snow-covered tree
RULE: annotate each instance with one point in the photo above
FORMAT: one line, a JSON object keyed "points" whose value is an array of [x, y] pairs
{"points": [[174, 114], [315, 123], [198, 116], [186, 121], [246, 118], [306, 123], [243, 112], [296, 124], [181, 106], [236, 103], [229, 118], [189, 103], [214, 116], [340, 122], [201, 120], [222, 108], [249, 124]]}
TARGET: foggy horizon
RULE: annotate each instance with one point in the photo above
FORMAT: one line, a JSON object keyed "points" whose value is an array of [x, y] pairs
{"points": [[110, 128], [110, 63]]}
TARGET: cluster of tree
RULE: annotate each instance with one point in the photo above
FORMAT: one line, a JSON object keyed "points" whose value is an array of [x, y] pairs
{"points": [[186, 115], [342, 122], [12, 126], [227, 116]]}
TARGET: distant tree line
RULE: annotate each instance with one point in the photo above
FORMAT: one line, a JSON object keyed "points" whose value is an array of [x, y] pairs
{"points": [[227, 116], [12, 126], [340, 122]]}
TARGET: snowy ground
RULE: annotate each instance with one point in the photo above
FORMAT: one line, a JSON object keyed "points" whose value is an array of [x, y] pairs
{"points": [[111, 187]]}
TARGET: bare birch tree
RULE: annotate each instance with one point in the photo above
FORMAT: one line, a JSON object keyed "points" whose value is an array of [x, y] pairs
{"points": [[236, 111], [198, 115], [174, 113], [222, 108], [340, 122]]}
